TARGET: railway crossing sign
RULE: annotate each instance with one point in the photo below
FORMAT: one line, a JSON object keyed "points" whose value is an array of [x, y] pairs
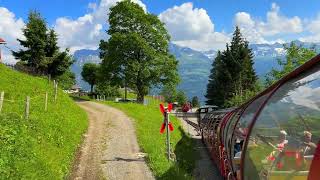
{"points": [[166, 125]]}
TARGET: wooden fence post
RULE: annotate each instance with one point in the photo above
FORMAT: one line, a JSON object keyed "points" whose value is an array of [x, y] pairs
{"points": [[49, 78], [56, 92], [46, 102], [27, 109], [1, 100]]}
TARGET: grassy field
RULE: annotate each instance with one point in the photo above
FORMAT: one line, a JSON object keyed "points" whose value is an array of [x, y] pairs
{"points": [[148, 120], [43, 146]]}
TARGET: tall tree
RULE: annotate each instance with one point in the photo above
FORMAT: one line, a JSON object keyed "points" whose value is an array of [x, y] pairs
{"points": [[137, 53], [195, 101], [181, 98], [35, 34], [232, 72], [90, 74], [67, 80], [41, 52], [295, 57], [169, 92]]}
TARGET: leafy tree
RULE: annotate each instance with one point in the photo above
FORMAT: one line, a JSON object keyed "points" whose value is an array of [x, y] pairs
{"points": [[90, 74], [51, 43], [232, 72], [66, 80], [137, 52], [35, 33], [41, 53], [195, 101], [219, 81], [169, 92], [106, 89], [181, 97], [57, 62], [246, 95], [296, 56]]}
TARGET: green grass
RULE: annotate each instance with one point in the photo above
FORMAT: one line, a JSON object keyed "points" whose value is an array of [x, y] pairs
{"points": [[43, 146], [148, 120]]}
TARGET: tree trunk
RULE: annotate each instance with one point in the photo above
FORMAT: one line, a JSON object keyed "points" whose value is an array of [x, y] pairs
{"points": [[91, 88], [125, 91], [140, 97]]}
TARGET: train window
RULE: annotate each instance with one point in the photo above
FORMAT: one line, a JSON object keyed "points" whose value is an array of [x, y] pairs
{"points": [[230, 129], [226, 127], [241, 130], [220, 131], [284, 137]]}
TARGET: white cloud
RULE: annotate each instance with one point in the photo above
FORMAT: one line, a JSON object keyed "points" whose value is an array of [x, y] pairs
{"points": [[215, 40], [257, 31], [278, 24], [192, 27], [186, 23], [86, 31], [313, 27], [10, 30], [248, 27]]}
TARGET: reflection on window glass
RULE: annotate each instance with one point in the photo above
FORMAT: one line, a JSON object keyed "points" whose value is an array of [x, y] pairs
{"points": [[284, 137], [230, 129], [241, 130]]}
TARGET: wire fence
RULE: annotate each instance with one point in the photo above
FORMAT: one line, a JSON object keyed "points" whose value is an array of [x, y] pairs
{"points": [[24, 104]]}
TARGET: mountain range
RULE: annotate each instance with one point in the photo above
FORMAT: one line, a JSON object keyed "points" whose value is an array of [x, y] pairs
{"points": [[194, 66]]}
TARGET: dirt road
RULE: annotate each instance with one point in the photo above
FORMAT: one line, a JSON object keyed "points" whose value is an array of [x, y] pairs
{"points": [[110, 149], [205, 168]]}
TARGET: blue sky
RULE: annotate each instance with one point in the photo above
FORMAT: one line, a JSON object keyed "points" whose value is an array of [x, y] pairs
{"points": [[221, 12], [198, 24]]}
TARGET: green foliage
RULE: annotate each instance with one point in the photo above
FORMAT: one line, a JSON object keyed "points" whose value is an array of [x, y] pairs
{"points": [[181, 97], [195, 101], [59, 63], [43, 146], [90, 74], [246, 95], [137, 53], [35, 33], [232, 72], [66, 80], [169, 92], [107, 90], [147, 123], [41, 52], [296, 56]]}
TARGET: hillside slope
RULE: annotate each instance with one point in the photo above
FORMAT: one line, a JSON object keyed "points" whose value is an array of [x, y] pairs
{"points": [[43, 146]]}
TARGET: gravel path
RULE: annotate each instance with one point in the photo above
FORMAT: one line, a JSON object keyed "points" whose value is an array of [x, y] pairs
{"points": [[205, 168], [110, 149]]}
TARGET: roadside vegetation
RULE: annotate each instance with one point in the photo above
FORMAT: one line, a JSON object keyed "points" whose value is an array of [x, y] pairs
{"points": [[43, 146], [147, 120]]}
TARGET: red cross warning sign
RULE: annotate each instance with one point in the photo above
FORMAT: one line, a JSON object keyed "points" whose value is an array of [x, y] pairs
{"points": [[166, 121]]}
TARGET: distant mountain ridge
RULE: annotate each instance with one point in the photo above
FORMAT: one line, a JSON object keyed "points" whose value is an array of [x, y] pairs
{"points": [[194, 66]]}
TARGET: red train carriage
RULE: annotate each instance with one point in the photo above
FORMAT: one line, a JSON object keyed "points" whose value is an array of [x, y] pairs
{"points": [[274, 136]]}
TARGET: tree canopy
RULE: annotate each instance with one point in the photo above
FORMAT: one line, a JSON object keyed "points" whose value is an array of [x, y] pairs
{"points": [[41, 52], [137, 53], [295, 57], [195, 101], [90, 74], [232, 72]]}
